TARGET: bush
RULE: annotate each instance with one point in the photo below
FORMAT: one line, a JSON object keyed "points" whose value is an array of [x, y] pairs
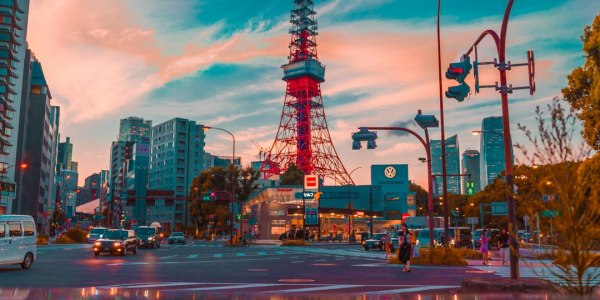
{"points": [[41, 240], [64, 239], [442, 256], [294, 243], [73, 236]]}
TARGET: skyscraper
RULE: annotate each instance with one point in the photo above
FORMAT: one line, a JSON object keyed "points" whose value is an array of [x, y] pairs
{"points": [[65, 154], [35, 143], [176, 157], [471, 165], [12, 61], [131, 129], [452, 165], [492, 149]]}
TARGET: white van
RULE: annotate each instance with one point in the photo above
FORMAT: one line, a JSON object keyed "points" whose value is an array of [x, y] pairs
{"points": [[17, 240]]}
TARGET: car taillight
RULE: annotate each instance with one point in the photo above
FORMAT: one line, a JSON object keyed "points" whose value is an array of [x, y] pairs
{"points": [[117, 244]]}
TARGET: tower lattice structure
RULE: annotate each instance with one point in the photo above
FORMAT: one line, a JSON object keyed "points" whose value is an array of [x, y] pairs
{"points": [[303, 136]]}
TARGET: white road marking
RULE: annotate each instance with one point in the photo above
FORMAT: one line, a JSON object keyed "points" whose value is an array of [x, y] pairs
{"points": [[170, 256], [228, 287], [218, 255], [193, 256], [410, 290], [240, 254], [262, 253], [186, 262], [145, 285], [319, 288]]}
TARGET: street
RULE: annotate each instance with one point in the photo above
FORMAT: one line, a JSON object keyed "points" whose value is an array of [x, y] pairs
{"points": [[210, 268]]}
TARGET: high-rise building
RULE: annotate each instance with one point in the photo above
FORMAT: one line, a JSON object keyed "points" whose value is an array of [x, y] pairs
{"points": [[221, 161], [137, 181], [121, 152], [35, 144], [452, 165], [54, 127], [12, 65], [65, 154], [133, 128], [492, 149], [471, 165], [176, 157], [92, 184]]}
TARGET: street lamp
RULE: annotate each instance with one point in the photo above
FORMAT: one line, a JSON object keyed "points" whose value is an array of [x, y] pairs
{"points": [[350, 225], [22, 166], [232, 180], [425, 122], [496, 132]]}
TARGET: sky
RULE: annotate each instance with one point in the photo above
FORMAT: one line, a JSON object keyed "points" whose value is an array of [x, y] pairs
{"points": [[218, 62]]}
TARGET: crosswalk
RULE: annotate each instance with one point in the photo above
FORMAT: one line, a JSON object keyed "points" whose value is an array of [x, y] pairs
{"points": [[547, 272], [342, 252], [177, 288]]}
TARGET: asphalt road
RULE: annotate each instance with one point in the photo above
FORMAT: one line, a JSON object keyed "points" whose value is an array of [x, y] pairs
{"points": [[206, 268]]}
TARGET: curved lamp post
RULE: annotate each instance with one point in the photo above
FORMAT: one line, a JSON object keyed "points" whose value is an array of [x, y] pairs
{"points": [[425, 122], [231, 228]]}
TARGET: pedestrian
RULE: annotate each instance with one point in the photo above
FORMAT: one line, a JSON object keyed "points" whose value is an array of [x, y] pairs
{"points": [[503, 245], [404, 239], [484, 246]]}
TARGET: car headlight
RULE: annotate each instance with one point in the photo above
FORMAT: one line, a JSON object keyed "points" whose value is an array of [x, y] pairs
{"points": [[88, 235], [417, 242], [117, 244], [97, 244], [151, 238]]}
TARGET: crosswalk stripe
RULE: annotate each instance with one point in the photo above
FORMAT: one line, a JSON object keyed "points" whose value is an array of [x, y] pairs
{"points": [[218, 255], [262, 253], [240, 254], [193, 256], [413, 289], [228, 287], [319, 288]]}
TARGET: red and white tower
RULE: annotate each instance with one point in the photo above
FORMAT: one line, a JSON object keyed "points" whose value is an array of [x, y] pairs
{"points": [[303, 137]]}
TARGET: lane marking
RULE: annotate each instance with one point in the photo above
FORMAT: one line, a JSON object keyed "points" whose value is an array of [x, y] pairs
{"points": [[228, 287], [240, 254], [410, 290], [218, 255], [170, 256], [145, 285], [320, 288], [262, 253], [193, 256], [187, 262]]}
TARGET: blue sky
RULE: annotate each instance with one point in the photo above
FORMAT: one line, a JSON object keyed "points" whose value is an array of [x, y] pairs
{"points": [[218, 62]]}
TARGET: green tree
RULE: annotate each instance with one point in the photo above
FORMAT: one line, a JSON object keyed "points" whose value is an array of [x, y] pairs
{"points": [[421, 198], [574, 179], [292, 176], [583, 92]]}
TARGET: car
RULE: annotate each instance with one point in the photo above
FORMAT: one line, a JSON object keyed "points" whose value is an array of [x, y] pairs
{"points": [[294, 234], [17, 240], [177, 237], [376, 242], [117, 241], [150, 236], [96, 233], [423, 237]]}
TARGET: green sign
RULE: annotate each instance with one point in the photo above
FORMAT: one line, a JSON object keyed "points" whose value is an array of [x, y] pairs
{"points": [[550, 213], [499, 209]]}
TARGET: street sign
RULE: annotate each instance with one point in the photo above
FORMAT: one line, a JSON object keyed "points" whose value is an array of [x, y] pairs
{"points": [[550, 213], [304, 195], [311, 182], [472, 220], [546, 198], [499, 209], [311, 214]]}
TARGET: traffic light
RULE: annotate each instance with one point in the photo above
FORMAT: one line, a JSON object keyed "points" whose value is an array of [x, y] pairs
{"points": [[209, 196], [364, 135], [459, 71], [459, 92], [470, 187]]}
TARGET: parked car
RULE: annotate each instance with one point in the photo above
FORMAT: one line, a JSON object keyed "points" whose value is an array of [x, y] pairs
{"points": [[294, 234], [117, 241], [377, 242], [96, 233], [332, 238], [177, 237], [423, 237], [460, 237], [17, 240], [149, 235]]}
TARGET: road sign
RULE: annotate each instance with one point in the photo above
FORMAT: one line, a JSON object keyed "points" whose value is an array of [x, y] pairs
{"points": [[546, 198], [252, 221], [499, 209], [472, 220], [550, 213], [311, 182]]}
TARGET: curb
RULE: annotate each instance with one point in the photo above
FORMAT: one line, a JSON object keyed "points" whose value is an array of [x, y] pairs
{"points": [[477, 284]]}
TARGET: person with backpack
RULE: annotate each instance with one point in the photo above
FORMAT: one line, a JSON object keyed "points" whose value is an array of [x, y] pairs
{"points": [[404, 239]]}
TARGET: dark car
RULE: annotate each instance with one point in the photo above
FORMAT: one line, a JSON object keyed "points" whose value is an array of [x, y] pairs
{"points": [[177, 237], [297, 234], [376, 242], [117, 241], [149, 235]]}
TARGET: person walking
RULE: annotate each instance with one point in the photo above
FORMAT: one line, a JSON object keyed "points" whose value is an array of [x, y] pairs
{"points": [[405, 246], [484, 246], [503, 245]]}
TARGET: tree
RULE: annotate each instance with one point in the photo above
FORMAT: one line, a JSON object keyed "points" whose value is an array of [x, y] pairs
{"points": [[292, 176], [574, 179], [583, 92], [421, 198]]}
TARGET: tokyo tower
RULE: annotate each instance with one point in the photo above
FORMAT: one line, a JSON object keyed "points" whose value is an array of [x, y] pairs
{"points": [[303, 137]]}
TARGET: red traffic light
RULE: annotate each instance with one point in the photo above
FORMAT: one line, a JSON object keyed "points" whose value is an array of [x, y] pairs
{"points": [[24, 165]]}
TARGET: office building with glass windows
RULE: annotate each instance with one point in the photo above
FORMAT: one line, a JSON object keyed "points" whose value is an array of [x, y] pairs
{"points": [[492, 150], [471, 166], [452, 165]]}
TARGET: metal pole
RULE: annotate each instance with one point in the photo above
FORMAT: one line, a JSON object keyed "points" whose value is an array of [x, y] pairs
{"points": [[443, 142], [371, 209], [430, 189]]}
